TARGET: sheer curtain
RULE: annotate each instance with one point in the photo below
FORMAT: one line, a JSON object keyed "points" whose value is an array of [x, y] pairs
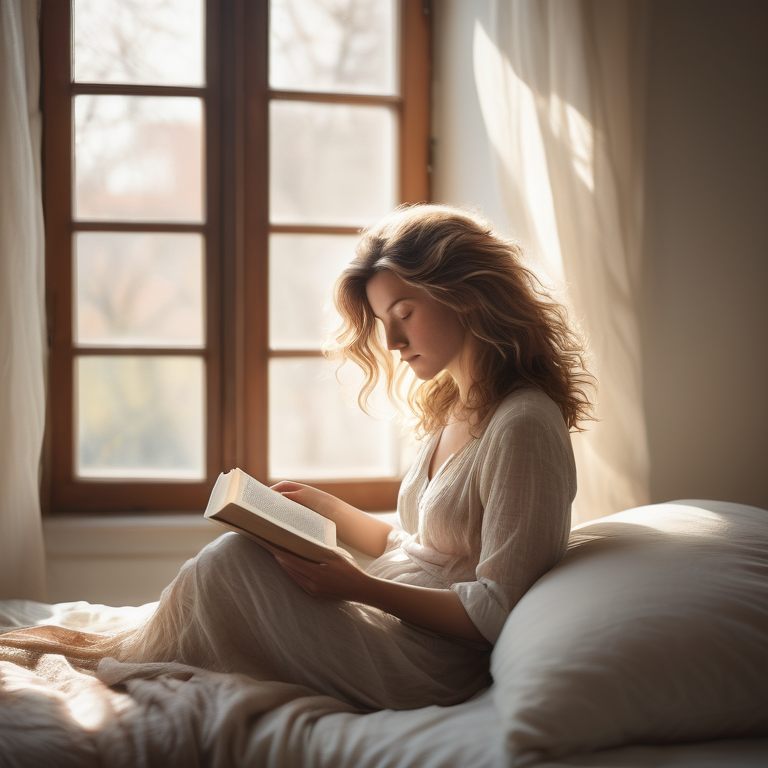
{"points": [[22, 309], [561, 88]]}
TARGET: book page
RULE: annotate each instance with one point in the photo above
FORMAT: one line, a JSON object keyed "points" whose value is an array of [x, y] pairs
{"points": [[288, 512], [219, 494]]}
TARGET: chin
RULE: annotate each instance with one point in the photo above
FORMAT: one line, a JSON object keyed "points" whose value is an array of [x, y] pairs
{"points": [[423, 375]]}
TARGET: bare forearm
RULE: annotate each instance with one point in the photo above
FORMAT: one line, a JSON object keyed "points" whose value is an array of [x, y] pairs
{"points": [[439, 610], [364, 532]]}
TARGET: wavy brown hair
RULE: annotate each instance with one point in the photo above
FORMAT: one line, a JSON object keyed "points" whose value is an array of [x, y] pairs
{"points": [[525, 338]]}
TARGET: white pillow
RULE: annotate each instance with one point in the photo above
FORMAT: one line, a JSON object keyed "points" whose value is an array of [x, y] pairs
{"points": [[652, 629]]}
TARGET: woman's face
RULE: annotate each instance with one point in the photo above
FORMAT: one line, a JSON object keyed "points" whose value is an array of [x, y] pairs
{"points": [[428, 334]]}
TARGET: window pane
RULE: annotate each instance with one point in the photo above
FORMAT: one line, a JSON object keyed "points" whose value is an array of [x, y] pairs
{"points": [[154, 42], [331, 163], [140, 417], [302, 271], [139, 289], [346, 46], [138, 158], [316, 429]]}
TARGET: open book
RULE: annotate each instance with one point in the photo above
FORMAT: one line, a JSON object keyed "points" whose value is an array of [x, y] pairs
{"points": [[245, 505]]}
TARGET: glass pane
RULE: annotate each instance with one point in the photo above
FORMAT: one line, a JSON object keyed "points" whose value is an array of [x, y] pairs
{"points": [[346, 46], [316, 429], [140, 417], [302, 271], [139, 289], [155, 42], [331, 163], [139, 158]]}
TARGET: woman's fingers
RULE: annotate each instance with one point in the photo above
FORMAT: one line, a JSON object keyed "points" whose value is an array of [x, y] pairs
{"points": [[284, 556], [307, 575], [338, 578], [296, 563], [299, 493], [306, 495], [273, 548], [302, 494], [287, 486]]}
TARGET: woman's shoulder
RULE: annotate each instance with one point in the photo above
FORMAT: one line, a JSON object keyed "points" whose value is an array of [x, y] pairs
{"points": [[526, 406], [526, 424]]}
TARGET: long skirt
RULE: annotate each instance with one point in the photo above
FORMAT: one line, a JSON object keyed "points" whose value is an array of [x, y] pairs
{"points": [[234, 609]]}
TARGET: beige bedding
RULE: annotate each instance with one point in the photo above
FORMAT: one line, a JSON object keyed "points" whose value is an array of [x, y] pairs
{"points": [[646, 646], [183, 717], [79, 711]]}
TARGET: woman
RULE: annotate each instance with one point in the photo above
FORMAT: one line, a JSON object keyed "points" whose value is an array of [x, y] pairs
{"points": [[485, 508]]}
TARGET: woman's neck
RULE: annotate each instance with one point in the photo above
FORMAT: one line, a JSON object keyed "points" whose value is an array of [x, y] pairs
{"points": [[462, 372]]}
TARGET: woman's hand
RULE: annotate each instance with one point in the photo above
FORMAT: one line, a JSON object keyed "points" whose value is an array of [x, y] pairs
{"points": [[340, 577], [320, 501], [363, 532]]}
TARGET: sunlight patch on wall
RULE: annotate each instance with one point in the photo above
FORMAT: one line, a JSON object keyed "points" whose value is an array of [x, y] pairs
{"points": [[522, 155]]}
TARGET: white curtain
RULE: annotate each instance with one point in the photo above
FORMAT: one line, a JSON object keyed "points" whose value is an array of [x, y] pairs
{"points": [[561, 88], [22, 310]]}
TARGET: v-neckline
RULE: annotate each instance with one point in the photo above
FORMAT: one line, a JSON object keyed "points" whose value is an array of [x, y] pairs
{"points": [[447, 461], [430, 480]]}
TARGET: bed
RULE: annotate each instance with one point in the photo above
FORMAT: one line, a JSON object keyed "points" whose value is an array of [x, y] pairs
{"points": [[647, 645]]}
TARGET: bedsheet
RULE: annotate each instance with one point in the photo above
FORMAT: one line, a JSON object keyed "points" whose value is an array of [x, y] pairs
{"points": [[469, 736], [80, 713], [73, 708]]}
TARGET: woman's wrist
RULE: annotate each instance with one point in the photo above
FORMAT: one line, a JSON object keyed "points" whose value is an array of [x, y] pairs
{"points": [[384, 594], [365, 589]]}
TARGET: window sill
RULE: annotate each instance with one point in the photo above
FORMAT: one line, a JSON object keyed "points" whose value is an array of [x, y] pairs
{"points": [[119, 559], [140, 535]]}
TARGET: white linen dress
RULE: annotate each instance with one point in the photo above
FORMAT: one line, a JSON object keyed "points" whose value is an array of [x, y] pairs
{"points": [[493, 519]]}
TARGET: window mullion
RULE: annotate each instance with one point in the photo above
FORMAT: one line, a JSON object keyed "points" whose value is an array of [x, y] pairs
{"points": [[415, 63], [253, 280], [215, 300]]}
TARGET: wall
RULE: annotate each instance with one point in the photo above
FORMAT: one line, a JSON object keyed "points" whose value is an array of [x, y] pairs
{"points": [[119, 559], [705, 318], [706, 323]]}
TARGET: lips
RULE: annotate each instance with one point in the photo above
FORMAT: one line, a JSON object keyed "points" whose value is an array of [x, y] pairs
{"points": [[410, 359]]}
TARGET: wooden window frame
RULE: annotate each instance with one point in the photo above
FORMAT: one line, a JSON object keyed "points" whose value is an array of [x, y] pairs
{"points": [[236, 230]]}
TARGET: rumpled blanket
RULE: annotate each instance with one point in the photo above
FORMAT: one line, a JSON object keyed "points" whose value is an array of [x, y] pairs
{"points": [[63, 704]]}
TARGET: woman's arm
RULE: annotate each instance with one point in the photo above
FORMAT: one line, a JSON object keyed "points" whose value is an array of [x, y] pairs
{"points": [[361, 531], [439, 610]]}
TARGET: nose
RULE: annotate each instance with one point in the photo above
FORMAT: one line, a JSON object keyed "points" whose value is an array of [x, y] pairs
{"points": [[395, 338]]}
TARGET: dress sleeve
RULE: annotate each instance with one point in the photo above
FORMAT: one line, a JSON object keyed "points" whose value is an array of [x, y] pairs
{"points": [[527, 484]]}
